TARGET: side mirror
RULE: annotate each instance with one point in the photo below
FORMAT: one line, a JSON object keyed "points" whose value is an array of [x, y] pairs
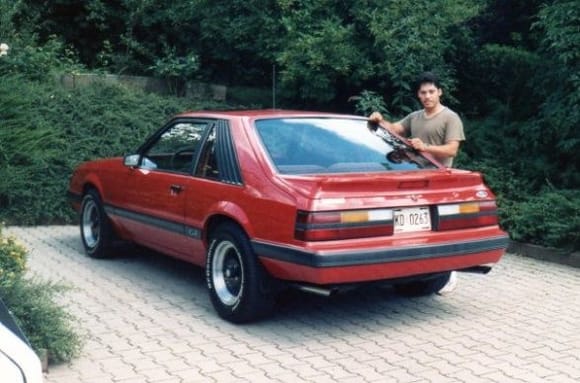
{"points": [[131, 160]]}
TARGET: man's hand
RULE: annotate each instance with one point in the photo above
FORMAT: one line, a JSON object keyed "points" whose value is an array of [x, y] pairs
{"points": [[376, 117], [448, 149], [417, 144]]}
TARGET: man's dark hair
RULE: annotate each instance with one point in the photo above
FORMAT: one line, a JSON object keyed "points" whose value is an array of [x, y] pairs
{"points": [[427, 78]]}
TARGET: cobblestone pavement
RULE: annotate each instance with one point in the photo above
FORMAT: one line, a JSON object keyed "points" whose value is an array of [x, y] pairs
{"points": [[147, 318]]}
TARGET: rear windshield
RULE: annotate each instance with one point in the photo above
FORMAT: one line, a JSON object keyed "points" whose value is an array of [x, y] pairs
{"points": [[335, 145]]}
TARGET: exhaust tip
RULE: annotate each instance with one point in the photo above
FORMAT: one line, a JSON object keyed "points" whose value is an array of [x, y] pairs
{"points": [[481, 269], [317, 290]]}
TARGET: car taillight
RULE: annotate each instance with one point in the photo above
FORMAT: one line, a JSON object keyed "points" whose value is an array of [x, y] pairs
{"points": [[464, 215], [330, 225]]}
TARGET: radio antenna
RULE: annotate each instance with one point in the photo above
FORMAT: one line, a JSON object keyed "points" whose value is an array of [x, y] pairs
{"points": [[273, 86]]}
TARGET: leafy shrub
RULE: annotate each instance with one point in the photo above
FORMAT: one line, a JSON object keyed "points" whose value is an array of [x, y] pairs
{"points": [[47, 325], [367, 102], [176, 70], [47, 130], [38, 62], [12, 261], [551, 218]]}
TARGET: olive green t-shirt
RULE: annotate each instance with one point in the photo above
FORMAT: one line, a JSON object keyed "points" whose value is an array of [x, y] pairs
{"points": [[443, 127]]}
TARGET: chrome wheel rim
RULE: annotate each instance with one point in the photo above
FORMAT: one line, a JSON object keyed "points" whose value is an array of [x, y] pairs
{"points": [[91, 224], [228, 273]]}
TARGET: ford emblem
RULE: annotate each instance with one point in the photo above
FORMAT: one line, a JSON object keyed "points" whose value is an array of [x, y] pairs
{"points": [[481, 194]]}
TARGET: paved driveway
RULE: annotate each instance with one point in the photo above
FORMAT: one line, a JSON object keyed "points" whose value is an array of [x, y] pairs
{"points": [[148, 319]]}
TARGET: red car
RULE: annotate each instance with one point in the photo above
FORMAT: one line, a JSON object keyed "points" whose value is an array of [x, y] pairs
{"points": [[269, 199]]}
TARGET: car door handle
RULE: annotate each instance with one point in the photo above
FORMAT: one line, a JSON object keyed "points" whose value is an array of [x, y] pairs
{"points": [[176, 189]]}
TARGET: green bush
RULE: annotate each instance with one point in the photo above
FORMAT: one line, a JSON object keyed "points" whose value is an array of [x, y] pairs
{"points": [[35, 62], [12, 261], [46, 323], [551, 218], [368, 102], [47, 130]]}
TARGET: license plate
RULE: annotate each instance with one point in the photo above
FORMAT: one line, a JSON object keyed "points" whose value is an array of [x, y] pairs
{"points": [[411, 219]]}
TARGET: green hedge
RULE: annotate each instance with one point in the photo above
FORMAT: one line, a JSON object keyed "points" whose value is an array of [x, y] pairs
{"points": [[46, 323], [549, 217], [47, 130]]}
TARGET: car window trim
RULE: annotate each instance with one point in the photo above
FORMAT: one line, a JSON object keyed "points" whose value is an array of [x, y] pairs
{"points": [[155, 137]]}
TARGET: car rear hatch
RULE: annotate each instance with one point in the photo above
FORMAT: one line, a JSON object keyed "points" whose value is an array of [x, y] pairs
{"points": [[345, 206]]}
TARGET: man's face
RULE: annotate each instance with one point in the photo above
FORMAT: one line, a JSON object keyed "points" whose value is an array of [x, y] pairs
{"points": [[429, 95]]}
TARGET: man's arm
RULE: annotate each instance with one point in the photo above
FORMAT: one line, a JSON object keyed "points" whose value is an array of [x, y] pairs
{"points": [[395, 127], [448, 149]]}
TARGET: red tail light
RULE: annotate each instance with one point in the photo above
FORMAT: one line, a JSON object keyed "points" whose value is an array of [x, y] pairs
{"points": [[332, 225], [464, 215]]}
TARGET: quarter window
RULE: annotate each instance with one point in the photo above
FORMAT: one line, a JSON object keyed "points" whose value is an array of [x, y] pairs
{"points": [[208, 163]]}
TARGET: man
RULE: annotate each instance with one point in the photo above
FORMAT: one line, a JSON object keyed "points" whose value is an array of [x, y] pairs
{"points": [[435, 129]]}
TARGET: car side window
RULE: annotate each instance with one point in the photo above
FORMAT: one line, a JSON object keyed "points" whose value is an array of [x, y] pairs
{"points": [[207, 166], [175, 148]]}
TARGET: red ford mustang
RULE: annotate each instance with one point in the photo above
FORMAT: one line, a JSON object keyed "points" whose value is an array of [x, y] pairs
{"points": [[272, 198]]}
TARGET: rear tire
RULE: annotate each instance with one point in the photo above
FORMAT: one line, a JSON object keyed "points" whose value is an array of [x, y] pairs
{"points": [[96, 230], [423, 287], [238, 285]]}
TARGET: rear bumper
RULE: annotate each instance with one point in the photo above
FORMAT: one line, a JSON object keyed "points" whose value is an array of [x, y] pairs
{"points": [[328, 267]]}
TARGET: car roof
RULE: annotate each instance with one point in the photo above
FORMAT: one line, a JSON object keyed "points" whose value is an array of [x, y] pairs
{"points": [[262, 113]]}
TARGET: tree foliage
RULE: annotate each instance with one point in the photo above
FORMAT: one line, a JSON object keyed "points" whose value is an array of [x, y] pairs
{"points": [[34, 304], [324, 51], [556, 130]]}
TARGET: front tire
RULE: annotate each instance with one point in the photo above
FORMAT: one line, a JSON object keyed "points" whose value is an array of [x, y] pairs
{"points": [[238, 284], [96, 230]]}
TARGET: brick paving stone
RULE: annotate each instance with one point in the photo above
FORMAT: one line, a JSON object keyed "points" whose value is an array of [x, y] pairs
{"points": [[161, 356], [142, 362], [288, 377], [338, 372], [209, 367], [436, 376], [444, 367], [155, 374], [318, 361], [367, 372], [477, 368], [322, 379], [499, 377], [468, 376], [148, 319], [561, 378], [138, 379], [255, 359], [400, 376]]}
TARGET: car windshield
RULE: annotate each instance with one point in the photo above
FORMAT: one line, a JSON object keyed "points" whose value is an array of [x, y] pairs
{"points": [[335, 145]]}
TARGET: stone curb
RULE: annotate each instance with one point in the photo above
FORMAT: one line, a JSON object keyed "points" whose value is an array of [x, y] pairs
{"points": [[545, 253]]}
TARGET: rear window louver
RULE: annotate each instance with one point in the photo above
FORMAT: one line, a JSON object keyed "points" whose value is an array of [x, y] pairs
{"points": [[226, 155]]}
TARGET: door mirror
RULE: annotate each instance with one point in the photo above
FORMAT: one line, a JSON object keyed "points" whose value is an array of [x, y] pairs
{"points": [[131, 160]]}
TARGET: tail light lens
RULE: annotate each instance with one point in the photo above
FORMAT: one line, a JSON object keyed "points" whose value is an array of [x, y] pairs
{"points": [[464, 215], [331, 225]]}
